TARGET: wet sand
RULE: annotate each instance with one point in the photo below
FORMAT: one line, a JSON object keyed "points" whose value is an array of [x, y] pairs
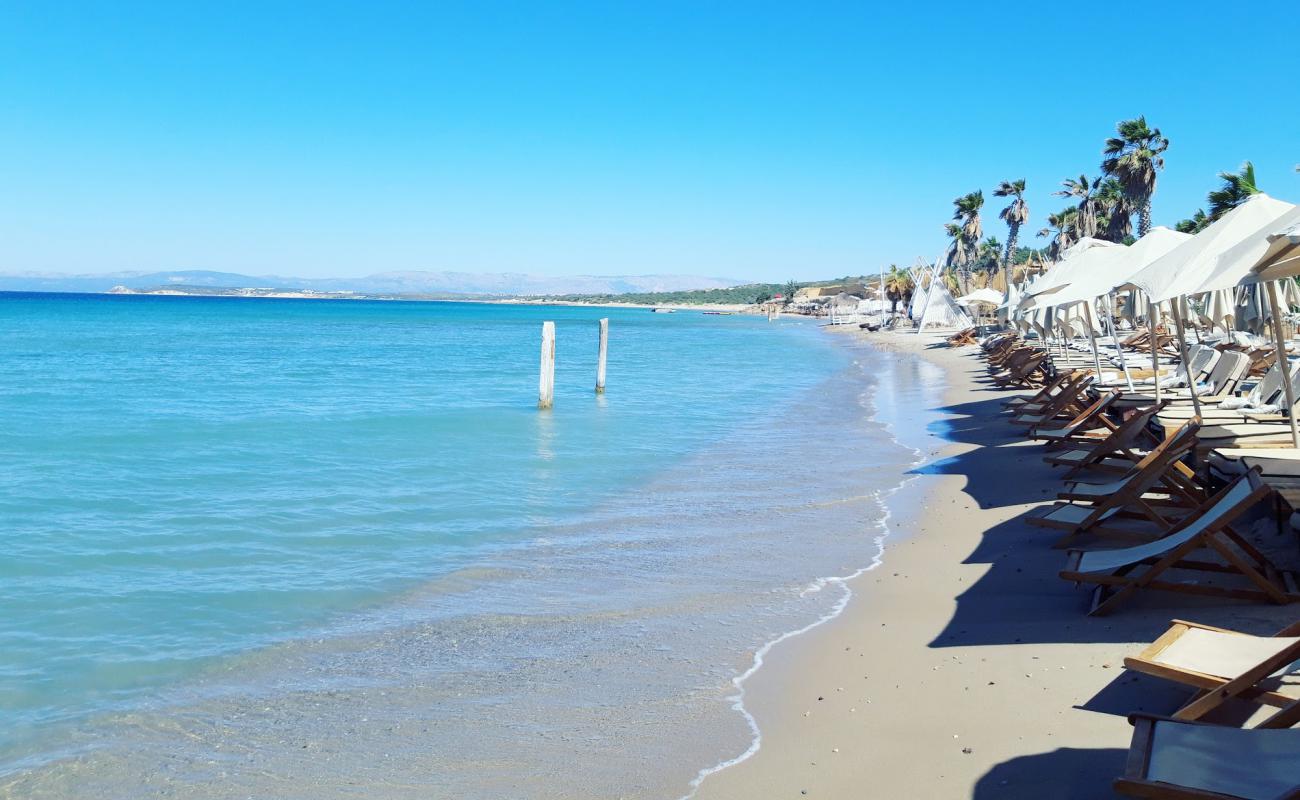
{"points": [[964, 666]]}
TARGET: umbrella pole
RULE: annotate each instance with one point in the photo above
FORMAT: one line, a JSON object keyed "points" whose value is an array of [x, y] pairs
{"points": [[1114, 335], [1155, 361], [1092, 336], [1282, 362], [1187, 362]]}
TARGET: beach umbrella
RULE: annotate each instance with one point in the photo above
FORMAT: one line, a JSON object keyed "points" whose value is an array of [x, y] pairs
{"points": [[1111, 268], [1219, 308], [984, 296], [1078, 261], [1282, 258], [1190, 267]]}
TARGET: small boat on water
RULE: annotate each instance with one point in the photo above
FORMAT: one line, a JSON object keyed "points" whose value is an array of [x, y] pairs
{"points": [[718, 313], [663, 310]]}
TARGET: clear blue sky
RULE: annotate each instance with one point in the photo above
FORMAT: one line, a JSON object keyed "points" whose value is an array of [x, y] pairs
{"points": [[746, 139]]}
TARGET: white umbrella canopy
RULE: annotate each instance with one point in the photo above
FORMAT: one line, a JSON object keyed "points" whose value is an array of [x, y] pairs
{"points": [[1235, 264], [1116, 265], [986, 296], [1282, 259], [1079, 259], [1186, 267]]}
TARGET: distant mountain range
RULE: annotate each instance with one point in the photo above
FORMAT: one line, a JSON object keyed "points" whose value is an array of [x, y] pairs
{"points": [[499, 284]]}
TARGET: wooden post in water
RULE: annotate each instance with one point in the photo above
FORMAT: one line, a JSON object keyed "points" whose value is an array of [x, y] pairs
{"points": [[600, 360], [546, 384]]}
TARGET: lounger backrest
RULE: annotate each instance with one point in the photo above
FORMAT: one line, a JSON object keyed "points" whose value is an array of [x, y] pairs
{"points": [[1295, 384], [1232, 367], [1203, 362], [1148, 471], [1268, 388], [1098, 406], [1218, 512]]}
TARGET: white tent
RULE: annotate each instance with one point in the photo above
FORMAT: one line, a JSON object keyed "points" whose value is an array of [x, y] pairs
{"points": [[940, 309], [919, 294], [1184, 269]]}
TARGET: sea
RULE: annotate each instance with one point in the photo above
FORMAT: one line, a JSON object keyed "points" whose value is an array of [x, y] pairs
{"points": [[289, 548]]}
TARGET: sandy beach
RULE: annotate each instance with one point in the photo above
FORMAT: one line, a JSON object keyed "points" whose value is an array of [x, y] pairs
{"points": [[964, 666]]}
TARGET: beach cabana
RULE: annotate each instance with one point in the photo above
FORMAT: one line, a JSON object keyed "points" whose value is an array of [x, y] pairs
{"points": [[940, 309]]}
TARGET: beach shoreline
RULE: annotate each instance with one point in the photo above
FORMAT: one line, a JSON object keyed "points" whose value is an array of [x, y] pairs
{"points": [[963, 666]]}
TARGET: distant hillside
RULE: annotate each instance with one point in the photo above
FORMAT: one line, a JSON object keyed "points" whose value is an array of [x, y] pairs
{"points": [[732, 295], [500, 284]]}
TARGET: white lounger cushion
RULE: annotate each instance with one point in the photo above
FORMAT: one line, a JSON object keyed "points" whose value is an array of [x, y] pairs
{"points": [[1224, 655], [1249, 763]]}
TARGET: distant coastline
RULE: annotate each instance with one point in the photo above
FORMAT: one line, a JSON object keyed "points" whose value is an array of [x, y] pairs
{"points": [[309, 294]]}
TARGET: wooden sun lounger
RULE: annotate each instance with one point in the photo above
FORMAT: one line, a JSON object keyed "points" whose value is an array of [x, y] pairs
{"points": [[1119, 574], [1171, 759], [1222, 381], [1159, 470], [962, 338], [1066, 404], [1023, 374], [1086, 422], [1040, 398], [1117, 453], [1223, 663]]}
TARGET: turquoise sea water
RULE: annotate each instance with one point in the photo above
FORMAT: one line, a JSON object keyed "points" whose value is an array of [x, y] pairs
{"points": [[216, 507]]}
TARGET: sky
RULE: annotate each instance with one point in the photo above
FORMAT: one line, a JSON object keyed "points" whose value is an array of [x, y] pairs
{"points": [[749, 140]]}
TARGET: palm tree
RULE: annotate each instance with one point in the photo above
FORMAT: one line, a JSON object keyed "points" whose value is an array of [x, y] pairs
{"points": [[989, 256], [1015, 214], [1236, 189], [1085, 222], [1116, 217], [898, 287], [1195, 224], [967, 212], [1061, 228], [958, 254], [1133, 158]]}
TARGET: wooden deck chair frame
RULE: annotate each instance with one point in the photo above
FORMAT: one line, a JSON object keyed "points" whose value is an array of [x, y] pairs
{"points": [[1072, 397], [1119, 448], [1136, 782], [1087, 421], [1023, 375], [1269, 583], [1012, 358], [1149, 471], [1213, 690], [1040, 398]]}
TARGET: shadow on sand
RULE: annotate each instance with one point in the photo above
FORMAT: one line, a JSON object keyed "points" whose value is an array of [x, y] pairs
{"points": [[1063, 774]]}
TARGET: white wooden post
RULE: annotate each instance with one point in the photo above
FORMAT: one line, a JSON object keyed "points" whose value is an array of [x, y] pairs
{"points": [[546, 384], [600, 359]]}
